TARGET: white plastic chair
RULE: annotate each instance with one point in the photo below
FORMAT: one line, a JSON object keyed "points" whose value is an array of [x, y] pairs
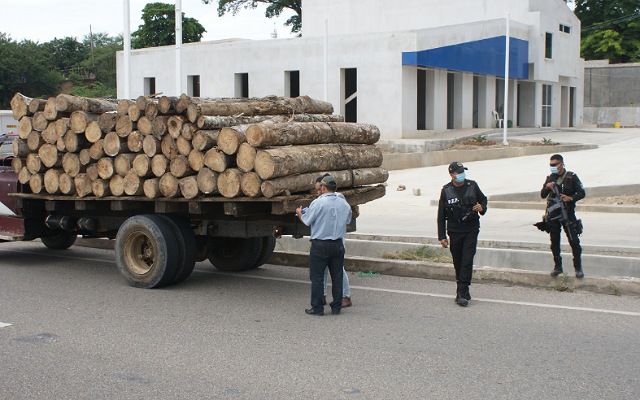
{"points": [[499, 122]]}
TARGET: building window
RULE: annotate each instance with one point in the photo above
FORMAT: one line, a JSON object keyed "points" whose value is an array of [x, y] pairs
{"points": [[193, 85], [242, 85], [350, 87], [564, 28], [421, 101], [149, 86], [548, 45], [546, 105], [292, 83]]}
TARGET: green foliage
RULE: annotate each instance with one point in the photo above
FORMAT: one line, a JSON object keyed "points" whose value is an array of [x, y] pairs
{"points": [[547, 141], [274, 9], [479, 138], [422, 253], [65, 53], [610, 29], [158, 28]]}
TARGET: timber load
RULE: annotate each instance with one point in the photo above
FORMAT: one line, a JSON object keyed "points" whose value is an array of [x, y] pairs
{"points": [[188, 147]]}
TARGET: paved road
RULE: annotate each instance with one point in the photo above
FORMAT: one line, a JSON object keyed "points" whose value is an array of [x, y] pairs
{"points": [[79, 333]]}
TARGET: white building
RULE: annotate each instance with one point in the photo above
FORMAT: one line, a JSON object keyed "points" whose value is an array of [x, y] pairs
{"points": [[411, 67]]}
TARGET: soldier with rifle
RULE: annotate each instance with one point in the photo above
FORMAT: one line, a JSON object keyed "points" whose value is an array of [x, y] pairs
{"points": [[562, 189]]}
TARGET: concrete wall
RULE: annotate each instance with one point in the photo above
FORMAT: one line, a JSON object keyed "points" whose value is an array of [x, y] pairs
{"points": [[611, 93]]}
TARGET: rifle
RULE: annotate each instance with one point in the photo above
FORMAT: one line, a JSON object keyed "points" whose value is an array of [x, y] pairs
{"points": [[573, 229]]}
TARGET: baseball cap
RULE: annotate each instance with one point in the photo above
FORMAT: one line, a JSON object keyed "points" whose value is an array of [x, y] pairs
{"points": [[456, 166], [329, 181]]}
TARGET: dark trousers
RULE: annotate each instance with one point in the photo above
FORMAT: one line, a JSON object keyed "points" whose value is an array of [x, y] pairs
{"points": [[323, 254], [576, 249], [463, 249]]}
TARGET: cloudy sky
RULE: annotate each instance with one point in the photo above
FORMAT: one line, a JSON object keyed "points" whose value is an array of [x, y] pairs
{"points": [[43, 20]]}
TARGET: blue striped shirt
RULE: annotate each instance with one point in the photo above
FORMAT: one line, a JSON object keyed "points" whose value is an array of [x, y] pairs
{"points": [[328, 216]]}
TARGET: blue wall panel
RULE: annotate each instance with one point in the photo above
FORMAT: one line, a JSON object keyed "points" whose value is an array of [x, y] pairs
{"points": [[485, 57]]}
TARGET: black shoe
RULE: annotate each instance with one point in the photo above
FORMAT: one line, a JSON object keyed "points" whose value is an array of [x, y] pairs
{"points": [[579, 274], [311, 311], [556, 272], [335, 312], [467, 295], [461, 301]]}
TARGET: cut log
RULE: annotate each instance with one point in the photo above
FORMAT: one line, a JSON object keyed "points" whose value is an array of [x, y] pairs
{"points": [[50, 156], [60, 143], [183, 103], [100, 187], [184, 146], [133, 112], [151, 146], [99, 106], [134, 141], [51, 112], [169, 185], [283, 161], [20, 105], [189, 187], [49, 134], [92, 172], [142, 166], [36, 105], [218, 161], [208, 122], [69, 103], [159, 126], [123, 163], [116, 185], [80, 120], [123, 107], [84, 156], [250, 184], [229, 183], [246, 157], [305, 182], [142, 101], [75, 142], [159, 165], [151, 188], [296, 133], [107, 121], [105, 167], [179, 167], [204, 140], [174, 125], [39, 122], [67, 185], [196, 160], [83, 185], [265, 106], [24, 175], [36, 183], [207, 181], [96, 151], [24, 127], [188, 130], [168, 147], [144, 125], [33, 163], [133, 184], [167, 104], [230, 138], [125, 125], [17, 164], [114, 144], [34, 141], [93, 133], [71, 164], [151, 111]]}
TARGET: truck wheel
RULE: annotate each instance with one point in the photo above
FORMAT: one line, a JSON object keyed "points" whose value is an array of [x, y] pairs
{"points": [[186, 246], [268, 245], [60, 241], [234, 254], [147, 251]]}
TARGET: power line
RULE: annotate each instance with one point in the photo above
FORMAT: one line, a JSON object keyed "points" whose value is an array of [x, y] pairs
{"points": [[613, 21]]}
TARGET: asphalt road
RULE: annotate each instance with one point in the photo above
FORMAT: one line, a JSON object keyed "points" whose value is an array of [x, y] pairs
{"points": [[78, 332]]}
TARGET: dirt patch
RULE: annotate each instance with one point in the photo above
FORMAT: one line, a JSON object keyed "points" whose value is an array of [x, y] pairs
{"points": [[625, 200], [472, 144]]}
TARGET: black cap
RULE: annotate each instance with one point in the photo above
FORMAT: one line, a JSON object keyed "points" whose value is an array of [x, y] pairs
{"points": [[456, 167], [329, 181]]}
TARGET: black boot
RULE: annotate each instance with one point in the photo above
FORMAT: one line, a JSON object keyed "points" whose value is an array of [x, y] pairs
{"points": [[577, 265], [557, 270]]}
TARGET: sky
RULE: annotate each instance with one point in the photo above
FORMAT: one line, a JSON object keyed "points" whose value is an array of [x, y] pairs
{"points": [[44, 20]]}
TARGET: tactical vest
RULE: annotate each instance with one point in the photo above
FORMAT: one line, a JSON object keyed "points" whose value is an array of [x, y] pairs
{"points": [[459, 208]]}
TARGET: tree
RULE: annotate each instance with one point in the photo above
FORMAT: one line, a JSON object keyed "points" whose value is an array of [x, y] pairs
{"points": [[610, 29], [274, 9], [65, 53], [159, 27]]}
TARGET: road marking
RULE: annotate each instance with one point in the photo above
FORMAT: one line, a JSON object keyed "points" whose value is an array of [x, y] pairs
{"points": [[4, 324], [437, 295]]}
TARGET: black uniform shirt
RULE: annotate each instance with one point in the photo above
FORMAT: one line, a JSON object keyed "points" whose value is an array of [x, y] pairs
{"points": [[472, 223], [571, 186]]}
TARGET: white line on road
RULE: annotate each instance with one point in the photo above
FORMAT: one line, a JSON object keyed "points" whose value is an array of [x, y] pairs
{"points": [[521, 303], [4, 324]]}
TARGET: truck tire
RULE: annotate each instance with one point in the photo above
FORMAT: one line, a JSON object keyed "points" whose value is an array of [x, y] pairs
{"points": [[186, 246], [268, 245], [147, 251], [60, 241], [234, 254]]}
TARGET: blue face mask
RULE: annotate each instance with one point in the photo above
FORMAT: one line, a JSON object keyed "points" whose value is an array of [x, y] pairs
{"points": [[554, 170], [461, 177]]}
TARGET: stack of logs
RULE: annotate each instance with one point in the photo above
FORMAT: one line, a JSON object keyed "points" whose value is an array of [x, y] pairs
{"points": [[188, 147]]}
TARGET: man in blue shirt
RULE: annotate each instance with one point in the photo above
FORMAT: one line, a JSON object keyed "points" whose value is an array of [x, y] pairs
{"points": [[328, 217]]}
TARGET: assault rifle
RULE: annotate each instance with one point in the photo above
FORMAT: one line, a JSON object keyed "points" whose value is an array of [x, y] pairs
{"points": [[573, 229]]}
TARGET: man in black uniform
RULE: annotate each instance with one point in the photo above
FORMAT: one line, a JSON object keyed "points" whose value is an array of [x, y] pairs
{"points": [[459, 209], [571, 191]]}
